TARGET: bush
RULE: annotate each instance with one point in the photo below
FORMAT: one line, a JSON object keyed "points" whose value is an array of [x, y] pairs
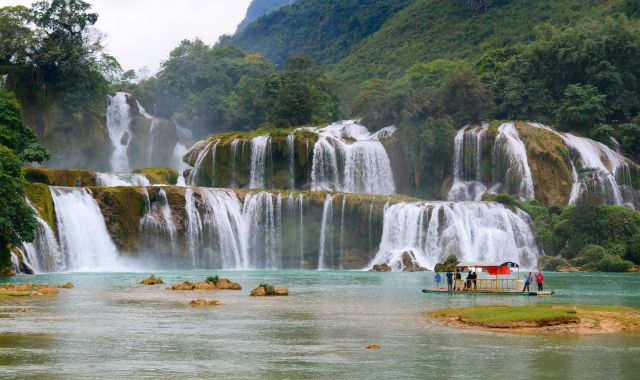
{"points": [[616, 249], [548, 263], [591, 254], [270, 290], [506, 199], [212, 279], [614, 264]]}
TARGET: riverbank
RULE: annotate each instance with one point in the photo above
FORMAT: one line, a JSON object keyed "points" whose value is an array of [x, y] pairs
{"points": [[543, 319]]}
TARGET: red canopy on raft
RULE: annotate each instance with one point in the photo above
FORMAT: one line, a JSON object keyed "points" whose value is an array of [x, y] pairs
{"points": [[492, 268]]}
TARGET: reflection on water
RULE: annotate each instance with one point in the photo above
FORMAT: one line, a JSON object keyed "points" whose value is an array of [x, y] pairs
{"points": [[109, 326]]}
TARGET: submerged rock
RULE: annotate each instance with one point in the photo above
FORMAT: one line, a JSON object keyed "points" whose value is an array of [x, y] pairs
{"points": [[567, 268], [151, 280], [201, 302], [269, 290], [373, 346]]}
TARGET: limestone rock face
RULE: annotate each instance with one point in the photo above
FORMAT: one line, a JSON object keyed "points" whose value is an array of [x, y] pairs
{"points": [[269, 290], [410, 264], [381, 268]]}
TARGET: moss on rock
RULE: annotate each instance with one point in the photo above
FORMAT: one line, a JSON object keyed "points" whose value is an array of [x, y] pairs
{"points": [[160, 176], [40, 197], [60, 177]]}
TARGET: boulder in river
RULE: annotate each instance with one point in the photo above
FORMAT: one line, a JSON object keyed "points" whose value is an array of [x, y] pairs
{"points": [[152, 280], [201, 302], [269, 290]]}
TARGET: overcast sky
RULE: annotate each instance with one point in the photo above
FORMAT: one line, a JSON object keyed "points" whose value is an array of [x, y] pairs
{"points": [[143, 32]]}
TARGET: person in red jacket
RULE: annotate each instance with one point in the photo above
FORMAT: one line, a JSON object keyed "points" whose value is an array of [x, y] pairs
{"points": [[540, 281]]}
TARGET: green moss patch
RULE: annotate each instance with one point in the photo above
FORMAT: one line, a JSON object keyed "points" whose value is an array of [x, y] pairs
{"points": [[160, 176], [59, 177]]}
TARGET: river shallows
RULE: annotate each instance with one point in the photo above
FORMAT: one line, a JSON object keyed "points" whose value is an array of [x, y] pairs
{"points": [[108, 326]]}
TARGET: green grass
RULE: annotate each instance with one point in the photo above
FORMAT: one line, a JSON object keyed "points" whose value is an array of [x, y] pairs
{"points": [[501, 314]]}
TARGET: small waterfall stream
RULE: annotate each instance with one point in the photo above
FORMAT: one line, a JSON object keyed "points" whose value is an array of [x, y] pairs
{"points": [[467, 182], [260, 152], [118, 124], [43, 253]]}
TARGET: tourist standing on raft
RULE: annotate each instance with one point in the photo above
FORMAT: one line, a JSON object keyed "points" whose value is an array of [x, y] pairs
{"points": [[449, 281], [527, 282], [458, 287], [540, 281], [438, 278]]}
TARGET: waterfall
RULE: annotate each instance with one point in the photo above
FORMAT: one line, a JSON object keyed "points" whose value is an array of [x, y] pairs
{"points": [[179, 151], [291, 147], [152, 135], [259, 152], [510, 164], [163, 223], [263, 219], [118, 123], [84, 239], [348, 158], [121, 179], [467, 185], [194, 226], [326, 232], [142, 111], [344, 202], [472, 231], [43, 253], [603, 169], [234, 154]]}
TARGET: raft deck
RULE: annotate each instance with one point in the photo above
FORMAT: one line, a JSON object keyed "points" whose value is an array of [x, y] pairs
{"points": [[492, 292]]}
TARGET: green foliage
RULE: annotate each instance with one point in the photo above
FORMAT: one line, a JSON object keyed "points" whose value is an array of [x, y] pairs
{"points": [[614, 264], [269, 290], [449, 264], [376, 104], [581, 107], [17, 221], [215, 89], [634, 248], [212, 280], [15, 135]]}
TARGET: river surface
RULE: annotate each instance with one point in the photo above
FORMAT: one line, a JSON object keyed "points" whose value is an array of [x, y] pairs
{"points": [[109, 327]]}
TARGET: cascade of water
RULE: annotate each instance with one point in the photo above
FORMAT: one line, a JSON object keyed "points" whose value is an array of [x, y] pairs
{"points": [[234, 165], [15, 262], [291, 147], [193, 226], [604, 169], [118, 124], [510, 164], [347, 157], [142, 111], [326, 232], [43, 253], [259, 152], [223, 227], [121, 179], [467, 185], [471, 231], [84, 239], [263, 219]]}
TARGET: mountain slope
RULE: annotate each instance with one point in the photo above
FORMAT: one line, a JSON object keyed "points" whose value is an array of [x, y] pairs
{"points": [[323, 29], [259, 8]]}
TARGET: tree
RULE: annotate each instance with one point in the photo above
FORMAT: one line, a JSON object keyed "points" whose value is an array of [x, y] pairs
{"points": [[376, 104], [582, 107], [17, 221], [15, 135], [466, 99]]}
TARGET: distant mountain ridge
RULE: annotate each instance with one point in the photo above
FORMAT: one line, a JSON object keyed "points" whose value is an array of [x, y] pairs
{"points": [[259, 8], [325, 30]]}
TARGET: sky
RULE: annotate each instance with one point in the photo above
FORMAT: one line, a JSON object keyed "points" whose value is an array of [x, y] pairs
{"points": [[142, 33]]}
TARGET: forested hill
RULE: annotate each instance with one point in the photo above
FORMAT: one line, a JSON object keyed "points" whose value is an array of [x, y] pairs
{"points": [[382, 38], [325, 30], [259, 8]]}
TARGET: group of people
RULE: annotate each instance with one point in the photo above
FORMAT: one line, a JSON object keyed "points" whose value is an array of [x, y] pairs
{"points": [[470, 281], [528, 279]]}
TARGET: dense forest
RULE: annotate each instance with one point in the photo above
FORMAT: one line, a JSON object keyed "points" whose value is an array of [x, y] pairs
{"points": [[427, 66]]}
